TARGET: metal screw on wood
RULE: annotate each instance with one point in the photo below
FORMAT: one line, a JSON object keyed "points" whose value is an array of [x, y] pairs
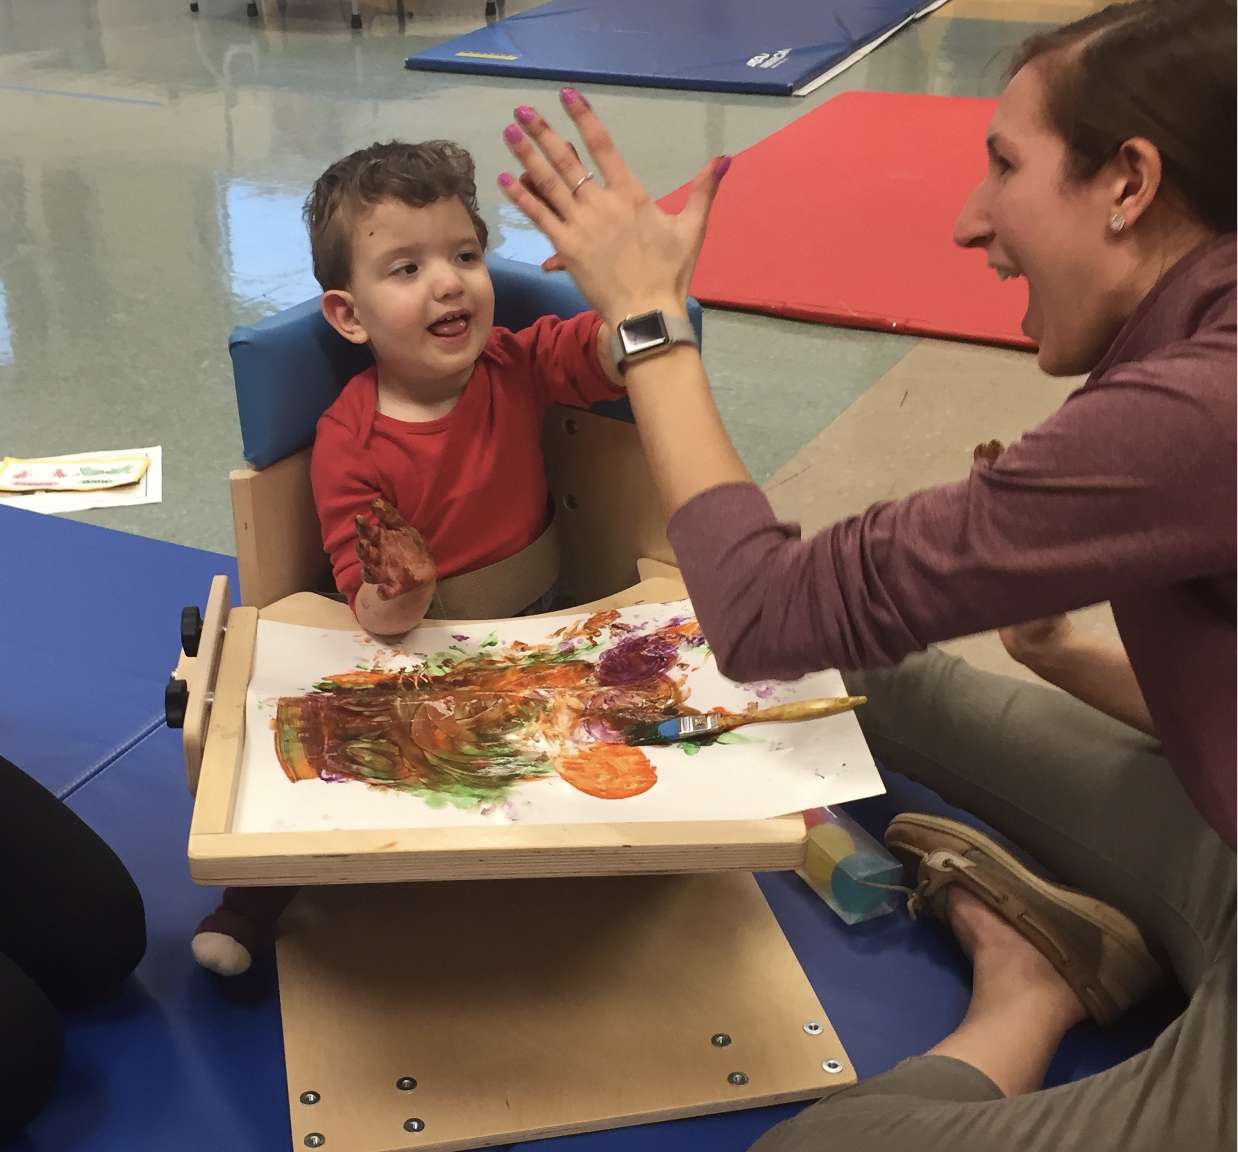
{"points": [[315, 1140], [413, 1124], [406, 1083], [813, 1028], [832, 1067], [739, 1079], [720, 1040], [310, 1097]]}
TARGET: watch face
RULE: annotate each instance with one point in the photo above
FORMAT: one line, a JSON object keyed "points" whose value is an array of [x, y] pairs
{"points": [[640, 333]]}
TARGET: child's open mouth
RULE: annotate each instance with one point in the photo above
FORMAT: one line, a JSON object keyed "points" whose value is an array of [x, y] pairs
{"points": [[453, 326]]}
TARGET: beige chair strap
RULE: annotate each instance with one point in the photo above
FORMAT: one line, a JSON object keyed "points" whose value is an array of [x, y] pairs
{"points": [[499, 590]]}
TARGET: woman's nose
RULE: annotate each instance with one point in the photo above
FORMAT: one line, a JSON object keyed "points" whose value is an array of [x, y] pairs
{"points": [[972, 229]]}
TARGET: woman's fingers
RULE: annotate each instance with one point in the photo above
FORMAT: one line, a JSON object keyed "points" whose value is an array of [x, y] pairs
{"points": [[533, 206], [548, 183], [561, 154], [597, 140], [704, 187]]}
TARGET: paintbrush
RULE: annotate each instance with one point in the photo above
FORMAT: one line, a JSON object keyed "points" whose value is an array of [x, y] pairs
{"points": [[715, 723]]}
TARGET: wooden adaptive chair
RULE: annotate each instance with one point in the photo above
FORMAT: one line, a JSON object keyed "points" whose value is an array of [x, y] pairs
{"points": [[612, 994], [289, 368]]}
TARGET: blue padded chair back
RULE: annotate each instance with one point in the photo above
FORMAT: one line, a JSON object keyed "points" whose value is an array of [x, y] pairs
{"points": [[290, 367]]}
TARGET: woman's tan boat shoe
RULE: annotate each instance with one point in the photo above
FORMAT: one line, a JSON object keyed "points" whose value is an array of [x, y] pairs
{"points": [[1097, 950]]}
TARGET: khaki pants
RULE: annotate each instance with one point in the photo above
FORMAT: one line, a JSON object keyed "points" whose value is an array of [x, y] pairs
{"points": [[1096, 803]]}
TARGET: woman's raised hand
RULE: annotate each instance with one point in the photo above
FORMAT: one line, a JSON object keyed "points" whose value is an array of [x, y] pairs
{"points": [[626, 255]]}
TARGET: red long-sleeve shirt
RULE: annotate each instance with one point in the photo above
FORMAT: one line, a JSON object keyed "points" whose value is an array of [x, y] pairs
{"points": [[1125, 494], [471, 482]]}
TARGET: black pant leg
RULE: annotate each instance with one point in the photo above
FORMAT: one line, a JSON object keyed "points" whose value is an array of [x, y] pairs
{"points": [[31, 1046], [71, 917]]}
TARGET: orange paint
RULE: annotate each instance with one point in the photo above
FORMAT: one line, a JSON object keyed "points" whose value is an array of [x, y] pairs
{"points": [[608, 771]]}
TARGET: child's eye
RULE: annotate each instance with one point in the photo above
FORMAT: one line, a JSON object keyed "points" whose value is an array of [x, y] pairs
{"points": [[469, 256], [406, 269]]}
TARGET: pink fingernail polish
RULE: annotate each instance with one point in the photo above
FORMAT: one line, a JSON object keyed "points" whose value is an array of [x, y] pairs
{"points": [[506, 179], [569, 95], [720, 169], [525, 114], [512, 134]]}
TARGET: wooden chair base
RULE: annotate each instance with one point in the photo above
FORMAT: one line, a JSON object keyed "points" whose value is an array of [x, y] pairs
{"points": [[465, 1014]]}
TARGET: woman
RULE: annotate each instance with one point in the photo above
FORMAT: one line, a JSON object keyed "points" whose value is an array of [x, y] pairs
{"points": [[1111, 189], [72, 927]]}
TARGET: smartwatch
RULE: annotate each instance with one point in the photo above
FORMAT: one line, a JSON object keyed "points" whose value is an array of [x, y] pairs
{"points": [[649, 334]]}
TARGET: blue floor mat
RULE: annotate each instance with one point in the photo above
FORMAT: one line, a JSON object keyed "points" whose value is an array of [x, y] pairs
{"points": [[89, 625], [777, 48], [180, 1060]]}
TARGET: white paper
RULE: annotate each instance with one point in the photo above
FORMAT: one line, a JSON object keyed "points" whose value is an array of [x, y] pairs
{"points": [[148, 490], [786, 767]]}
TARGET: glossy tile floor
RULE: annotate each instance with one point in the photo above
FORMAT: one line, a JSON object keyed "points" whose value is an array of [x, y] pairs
{"points": [[153, 165]]}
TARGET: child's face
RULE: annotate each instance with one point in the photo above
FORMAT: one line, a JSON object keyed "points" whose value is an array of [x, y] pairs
{"points": [[420, 290]]}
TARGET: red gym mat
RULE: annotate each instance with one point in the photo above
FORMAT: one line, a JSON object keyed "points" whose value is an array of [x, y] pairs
{"points": [[845, 216]]}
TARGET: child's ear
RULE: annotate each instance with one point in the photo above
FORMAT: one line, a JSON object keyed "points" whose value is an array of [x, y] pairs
{"points": [[337, 307]]}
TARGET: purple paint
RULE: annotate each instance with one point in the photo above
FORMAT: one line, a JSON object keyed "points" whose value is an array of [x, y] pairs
{"points": [[638, 658]]}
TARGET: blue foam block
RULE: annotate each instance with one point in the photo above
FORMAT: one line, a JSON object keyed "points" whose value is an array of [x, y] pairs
{"points": [[89, 632], [778, 48]]}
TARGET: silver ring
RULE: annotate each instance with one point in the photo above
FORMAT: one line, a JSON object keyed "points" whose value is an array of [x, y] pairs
{"points": [[576, 186]]}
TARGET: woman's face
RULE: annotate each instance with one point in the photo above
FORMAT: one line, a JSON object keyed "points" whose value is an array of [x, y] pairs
{"points": [[1034, 220]]}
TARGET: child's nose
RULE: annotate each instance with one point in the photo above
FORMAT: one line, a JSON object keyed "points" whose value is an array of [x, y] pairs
{"points": [[447, 281]]}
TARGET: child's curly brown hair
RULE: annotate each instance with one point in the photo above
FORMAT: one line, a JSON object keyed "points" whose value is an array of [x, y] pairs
{"points": [[414, 174]]}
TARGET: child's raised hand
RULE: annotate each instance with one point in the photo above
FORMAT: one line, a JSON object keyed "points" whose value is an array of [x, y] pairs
{"points": [[394, 555]]}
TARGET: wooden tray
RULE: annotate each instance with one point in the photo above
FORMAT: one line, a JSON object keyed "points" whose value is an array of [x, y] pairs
{"points": [[218, 855]]}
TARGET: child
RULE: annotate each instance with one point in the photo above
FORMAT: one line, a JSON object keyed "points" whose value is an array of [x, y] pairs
{"points": [[428, 466]]}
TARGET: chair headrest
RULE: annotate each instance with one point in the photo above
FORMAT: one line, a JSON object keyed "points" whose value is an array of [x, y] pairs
{"points": [[290, 367]]}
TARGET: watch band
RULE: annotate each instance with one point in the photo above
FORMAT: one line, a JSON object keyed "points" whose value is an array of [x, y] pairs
{"points": [[678, 330]]}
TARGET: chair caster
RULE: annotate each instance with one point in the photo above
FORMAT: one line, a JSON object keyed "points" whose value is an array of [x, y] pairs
{"points": [[251, 9], [356, 21], [193, 7]]}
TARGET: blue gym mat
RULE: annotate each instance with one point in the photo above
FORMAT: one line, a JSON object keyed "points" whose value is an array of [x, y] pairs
{"points": [[775, 48], [179, 1059], [88, 637]]}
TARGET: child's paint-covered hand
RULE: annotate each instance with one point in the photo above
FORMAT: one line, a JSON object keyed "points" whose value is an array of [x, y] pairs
{"points": [[394, 555]]}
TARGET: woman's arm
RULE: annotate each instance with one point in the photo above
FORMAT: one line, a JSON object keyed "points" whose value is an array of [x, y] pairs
{"points": [[1096, 502], [629, 257], [1096, 671]]}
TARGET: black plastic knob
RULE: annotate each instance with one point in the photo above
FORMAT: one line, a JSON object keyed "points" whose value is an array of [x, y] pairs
{"points": [[175, 702], [191, 629]]}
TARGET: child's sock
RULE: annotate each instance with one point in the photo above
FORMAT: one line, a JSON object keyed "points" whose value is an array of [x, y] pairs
{"points": [[229, 938]]}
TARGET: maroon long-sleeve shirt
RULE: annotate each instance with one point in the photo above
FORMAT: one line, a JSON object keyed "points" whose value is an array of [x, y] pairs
{"points": [[1125, 494]]}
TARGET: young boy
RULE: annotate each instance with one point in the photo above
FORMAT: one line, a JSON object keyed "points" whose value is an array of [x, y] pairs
{"points": [[429, 464]]}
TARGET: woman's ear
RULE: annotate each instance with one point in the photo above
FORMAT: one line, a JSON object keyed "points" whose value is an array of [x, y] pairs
{"points": [[341, 314], [1136, 178]]}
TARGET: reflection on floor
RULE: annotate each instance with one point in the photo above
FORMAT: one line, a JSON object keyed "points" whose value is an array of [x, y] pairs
{"points": [[153, 164]]}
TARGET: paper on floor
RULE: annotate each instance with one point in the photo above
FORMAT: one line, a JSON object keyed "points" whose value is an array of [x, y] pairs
{"points": [[147, 489]]}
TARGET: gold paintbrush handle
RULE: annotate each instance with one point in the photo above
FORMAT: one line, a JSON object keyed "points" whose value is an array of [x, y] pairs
{"points": [[804, 709]]}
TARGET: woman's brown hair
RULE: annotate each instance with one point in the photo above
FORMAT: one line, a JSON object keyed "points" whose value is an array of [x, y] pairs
{"points": [[1160, 69]]}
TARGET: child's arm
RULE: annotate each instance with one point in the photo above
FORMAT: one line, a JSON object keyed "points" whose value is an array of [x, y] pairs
{"points": [[398, 573]]}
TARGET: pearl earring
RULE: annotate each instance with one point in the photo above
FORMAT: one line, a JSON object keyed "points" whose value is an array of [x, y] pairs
{"points": [[1116, 223]]}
